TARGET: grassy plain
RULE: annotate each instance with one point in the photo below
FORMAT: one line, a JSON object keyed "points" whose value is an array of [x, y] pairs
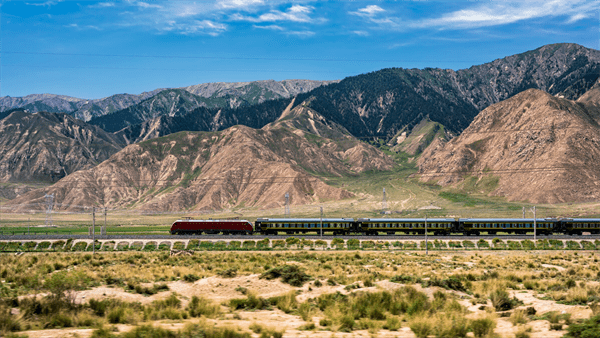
{"points": [[298, 293]]}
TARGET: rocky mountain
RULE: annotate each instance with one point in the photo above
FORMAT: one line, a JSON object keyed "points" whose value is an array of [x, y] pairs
{"points": [[169, 102], [414, 141], [236, 167], [388, 101], [45, 147], [220, 94], [249, 93], [534, 146], [205, 119], [80, 108]]}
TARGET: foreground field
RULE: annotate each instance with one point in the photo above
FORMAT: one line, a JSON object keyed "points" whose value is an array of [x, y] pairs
{"points": [[300, 294]]}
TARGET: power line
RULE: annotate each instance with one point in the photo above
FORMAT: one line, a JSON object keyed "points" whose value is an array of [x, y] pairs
{"points": [[183, 57], [182, 69]]}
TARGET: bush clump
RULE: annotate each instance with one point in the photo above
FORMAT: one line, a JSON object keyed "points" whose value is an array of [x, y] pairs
{"points": [[589, 328], [290, 274], [501, 300], [482, 327]]}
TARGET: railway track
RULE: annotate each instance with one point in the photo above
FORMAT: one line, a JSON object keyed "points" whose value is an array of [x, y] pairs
{"points": [[309, 237]]}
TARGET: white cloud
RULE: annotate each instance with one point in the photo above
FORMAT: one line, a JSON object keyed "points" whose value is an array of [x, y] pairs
{"points": [[196, 27], [302, 34], [270, 27], [45, 3], [484, 14], [103, 5], [78, 27], [373, 13], [361, 33], [296, 13], [501, 13], [142, 4], [369, 11], [239, 4]]}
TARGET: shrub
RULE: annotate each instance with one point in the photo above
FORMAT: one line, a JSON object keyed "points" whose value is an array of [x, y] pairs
{"points": [[200, 306], [290, 274], [468, 244], [249, 244], [263, 243], [286, 303], [523, 332], [251, 302], [518, 317], [527, 244], [456, 326], [482, 327], [404, 279], [150, 332], [501, 301], [279, 243], [347, 323], [589, 328], [325, 322], [8, 322], [190, 278], [483, 244], [421, 327], [392, 324], [229, 273], [193, 244], [337, 242], [451, 283], [307, 327]]}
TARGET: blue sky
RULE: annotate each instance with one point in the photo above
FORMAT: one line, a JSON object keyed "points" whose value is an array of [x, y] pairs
{"points": [[91, 49]]}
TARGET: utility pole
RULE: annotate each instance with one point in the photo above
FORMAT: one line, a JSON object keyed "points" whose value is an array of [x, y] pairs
{"points": [[534, 226], [383, 203], [93, 231], [426, 243], [523, 212], [321, 222], [49, 204], [287, 204]]}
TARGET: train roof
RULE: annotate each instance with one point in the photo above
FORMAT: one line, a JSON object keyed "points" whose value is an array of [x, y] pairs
{"points": [[580, 219], [212, 220], [504, 220], [383, 220], [304, 220]]}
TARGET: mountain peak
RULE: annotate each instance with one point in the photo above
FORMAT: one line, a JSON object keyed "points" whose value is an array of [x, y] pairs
{"points": [[537, 147]]}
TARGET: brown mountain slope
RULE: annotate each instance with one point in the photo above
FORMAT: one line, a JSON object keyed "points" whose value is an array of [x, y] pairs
{"points": [[344, 152], [239, 166], [543, 149], [48, 146]]}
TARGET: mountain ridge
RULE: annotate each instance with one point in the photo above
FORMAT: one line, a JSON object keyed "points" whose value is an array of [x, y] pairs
{"points": [[540, 148]]}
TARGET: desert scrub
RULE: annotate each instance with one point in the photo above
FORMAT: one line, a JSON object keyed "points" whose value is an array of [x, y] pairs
{"points": [[251, 302], [290, 274], [587, 329], [502, 301], [190, 330], [361, 309], [483, 327], [266, 332]]}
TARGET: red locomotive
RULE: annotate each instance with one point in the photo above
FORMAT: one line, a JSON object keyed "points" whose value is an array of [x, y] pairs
{"points": [[212, 226]]}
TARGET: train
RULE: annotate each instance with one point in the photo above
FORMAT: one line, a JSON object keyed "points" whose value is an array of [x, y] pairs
{"points": [[388, 226]]}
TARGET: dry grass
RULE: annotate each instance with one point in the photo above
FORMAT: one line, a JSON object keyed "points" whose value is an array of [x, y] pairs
{"points": [[348, 291]]}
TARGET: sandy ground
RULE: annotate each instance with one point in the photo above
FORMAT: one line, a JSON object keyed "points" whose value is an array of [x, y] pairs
{"points": [[221, 290]]}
